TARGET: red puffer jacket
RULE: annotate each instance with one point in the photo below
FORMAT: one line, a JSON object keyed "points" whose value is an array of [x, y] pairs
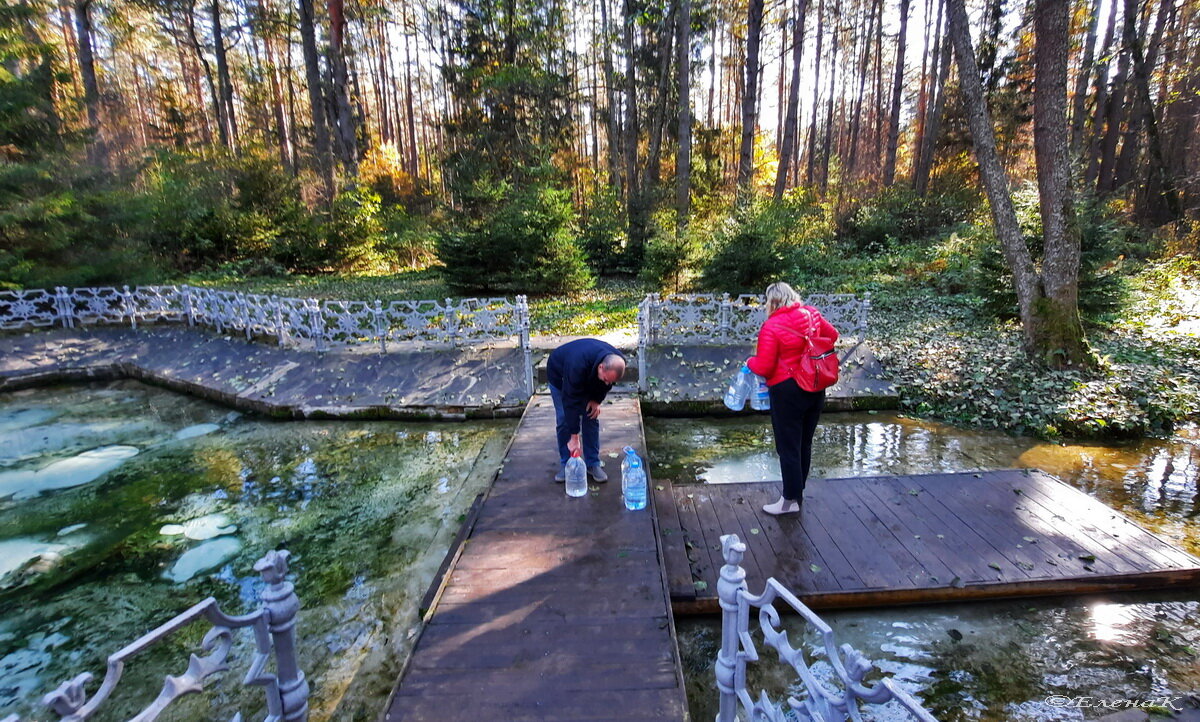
{"points": [[782, 341]]}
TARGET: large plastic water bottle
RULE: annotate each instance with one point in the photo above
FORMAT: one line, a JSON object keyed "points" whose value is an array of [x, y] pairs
{"points": [[760, 400], [633, 485], [735, 395], [630, 455], [576, 475]]}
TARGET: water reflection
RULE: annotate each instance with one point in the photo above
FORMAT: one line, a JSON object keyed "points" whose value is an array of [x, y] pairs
{"points": [[985, 661]]}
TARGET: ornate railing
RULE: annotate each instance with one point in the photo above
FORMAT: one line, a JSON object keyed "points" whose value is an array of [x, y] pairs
{"points": [[297, 322], [821, 701], [710, 319], [274, 627]]}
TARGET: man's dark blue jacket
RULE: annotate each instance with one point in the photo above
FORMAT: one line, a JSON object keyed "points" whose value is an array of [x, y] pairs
{"points": [[572, 370]]}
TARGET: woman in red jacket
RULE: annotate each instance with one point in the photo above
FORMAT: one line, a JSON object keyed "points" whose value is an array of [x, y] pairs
{"points": [[794, 411]]}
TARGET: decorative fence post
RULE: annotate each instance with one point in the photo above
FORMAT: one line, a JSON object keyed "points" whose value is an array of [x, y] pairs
{"points": [[62, 302], [185, 293], [731, 666], [864, 314], [724, 316], [282, 605], [823, 700], [317, 319], [643, 343], [452, 322], [380, 330], [129, 307], [526, 347], [277, 315]]}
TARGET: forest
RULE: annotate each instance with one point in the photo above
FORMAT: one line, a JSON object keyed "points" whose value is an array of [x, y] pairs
{"points": [[530, 146]]}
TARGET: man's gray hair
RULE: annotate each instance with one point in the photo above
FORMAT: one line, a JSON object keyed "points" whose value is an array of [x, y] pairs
{"points": [[614, 362]]}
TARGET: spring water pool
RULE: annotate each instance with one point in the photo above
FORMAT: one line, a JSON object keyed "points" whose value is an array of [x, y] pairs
{"points": [[1007, 660], [122, 505]]}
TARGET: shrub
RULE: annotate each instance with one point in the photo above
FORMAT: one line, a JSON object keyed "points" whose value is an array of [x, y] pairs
{"points": [[672, 257], [1105, 239], [602, 232], [522, 244], [899, 216], [759, 243]]}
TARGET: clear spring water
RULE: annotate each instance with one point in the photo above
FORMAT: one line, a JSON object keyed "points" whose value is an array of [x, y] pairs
{"points": [[122, 505], [1008, 660]]}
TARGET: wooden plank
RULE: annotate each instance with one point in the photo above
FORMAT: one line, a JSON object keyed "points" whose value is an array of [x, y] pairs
{"points": [[851, 538], [805, 530], [520, 704], [674, 541], [1109, 526], [728, 523], [794, 554], [885, 538], [927, 548], [452, 553], [1050, 529], [971, 499], [700, 560]]}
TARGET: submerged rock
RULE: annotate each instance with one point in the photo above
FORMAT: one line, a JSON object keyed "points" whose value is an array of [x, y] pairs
{"points": [[201, 528], [25, 553], [209, 555], [64, 474], [195, 430]]}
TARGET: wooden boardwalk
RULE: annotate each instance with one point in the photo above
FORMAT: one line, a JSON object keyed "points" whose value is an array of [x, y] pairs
{"points": [[913, 539], [555, 608]]}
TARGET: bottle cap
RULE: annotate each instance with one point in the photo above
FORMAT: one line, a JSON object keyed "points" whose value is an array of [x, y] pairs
{"points": [[576, 454]]}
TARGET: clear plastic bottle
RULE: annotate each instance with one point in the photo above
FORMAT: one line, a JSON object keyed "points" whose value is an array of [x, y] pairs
{"points": [[735, 395], [576, 475], [634, 485], [760, 400], [631, 455]]}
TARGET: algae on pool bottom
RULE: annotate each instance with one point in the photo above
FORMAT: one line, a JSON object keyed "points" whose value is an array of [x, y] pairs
{"points": [[366, 508]]}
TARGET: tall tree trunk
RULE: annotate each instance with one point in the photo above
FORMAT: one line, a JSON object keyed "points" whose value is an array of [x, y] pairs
{"points": [[933, 123], [224, 98], [316, 97], [282, 134], [97, 149], [889, 162], [827, 143], [1143, 65], [1062, 343], [347, 132], [635, 209], [683, 159], [412, 156], [750, 94], [1114, 121], [810, 170], [666, 42], [791, 121], [1030, 294], [610, 89], [1079, 106], [1100, 109]]}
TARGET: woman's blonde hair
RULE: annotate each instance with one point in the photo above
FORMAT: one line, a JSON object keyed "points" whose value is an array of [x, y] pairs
{"points": [[779, 295]]}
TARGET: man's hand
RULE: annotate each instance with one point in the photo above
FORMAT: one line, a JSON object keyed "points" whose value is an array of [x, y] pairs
{"points": [[593, 410], [574, 445]]}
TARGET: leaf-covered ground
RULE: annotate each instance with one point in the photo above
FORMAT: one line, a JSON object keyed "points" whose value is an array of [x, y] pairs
{"points": [[951, 361]]}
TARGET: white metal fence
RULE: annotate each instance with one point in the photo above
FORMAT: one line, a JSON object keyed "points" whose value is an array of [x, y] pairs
{"points": [[835, 696], [712, 320]]}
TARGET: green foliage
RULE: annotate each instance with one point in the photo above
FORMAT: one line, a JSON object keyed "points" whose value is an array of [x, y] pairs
{"points": [[525, 245], [671, 256], [899, 216], [602, 232], [758, 243], [1105, 241]]}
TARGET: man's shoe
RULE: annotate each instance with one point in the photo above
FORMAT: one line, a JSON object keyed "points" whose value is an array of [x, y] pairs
{"points": [[783, 506], [597, 474], [561, 476]]}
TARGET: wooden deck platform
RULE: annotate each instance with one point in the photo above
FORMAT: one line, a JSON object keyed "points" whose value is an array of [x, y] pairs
{"points": [[913, 539], [555, 608]]}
